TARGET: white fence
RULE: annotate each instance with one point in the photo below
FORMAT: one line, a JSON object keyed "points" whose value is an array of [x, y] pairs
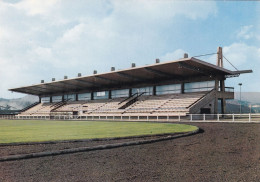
{"points": [[171, 118]]}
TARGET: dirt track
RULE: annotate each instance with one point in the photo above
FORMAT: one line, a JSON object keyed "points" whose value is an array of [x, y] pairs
{"points": [[224, 152]]}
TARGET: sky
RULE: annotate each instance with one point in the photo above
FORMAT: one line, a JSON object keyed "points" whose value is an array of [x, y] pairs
{"points": [[41, 40]]}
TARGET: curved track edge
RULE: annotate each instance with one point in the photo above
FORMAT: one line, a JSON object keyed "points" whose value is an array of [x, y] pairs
{"points": [[99, 147]]}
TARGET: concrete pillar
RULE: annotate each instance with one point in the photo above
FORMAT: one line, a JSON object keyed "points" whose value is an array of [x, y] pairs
{"points": [[223, 106], [223, 100], [222, 85], [216, 97], [182, 88], [154, 90], [92, 96], [219, 57], [130, 92], [109, 94], [50, 99]]}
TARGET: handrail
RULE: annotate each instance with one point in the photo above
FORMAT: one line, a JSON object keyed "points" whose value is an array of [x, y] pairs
{"points": [[226, 89], [30, 106], [201, 98], [197, 88], [126, 99], [130, 102]]}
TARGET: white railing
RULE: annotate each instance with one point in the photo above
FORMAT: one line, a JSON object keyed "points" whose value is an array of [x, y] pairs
{"points": [[250, 117], [143, 117]]}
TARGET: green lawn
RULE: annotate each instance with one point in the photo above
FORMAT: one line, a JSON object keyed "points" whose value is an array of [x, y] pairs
{"points": [[34, 131]]}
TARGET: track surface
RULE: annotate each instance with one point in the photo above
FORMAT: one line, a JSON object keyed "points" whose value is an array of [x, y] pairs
{"points": [[224, 152]]}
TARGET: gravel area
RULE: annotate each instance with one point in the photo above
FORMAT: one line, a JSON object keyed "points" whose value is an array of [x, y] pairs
{"points": [[223, 152]]}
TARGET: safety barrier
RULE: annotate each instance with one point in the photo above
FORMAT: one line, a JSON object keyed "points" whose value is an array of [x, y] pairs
{"points": [[135, 117]]}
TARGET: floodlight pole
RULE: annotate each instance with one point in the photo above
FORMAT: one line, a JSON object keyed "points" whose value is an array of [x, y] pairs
{"points": [[240, 84]]}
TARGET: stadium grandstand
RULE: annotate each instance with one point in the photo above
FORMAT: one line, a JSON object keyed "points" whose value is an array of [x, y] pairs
{"points": [[174, 88]]}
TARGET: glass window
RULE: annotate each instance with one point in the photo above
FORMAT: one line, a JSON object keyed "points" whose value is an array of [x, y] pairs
{"points": [[199, 86], [70, 97], [45, 99], [56, 98], [168, 89], [145, 90], [120, 93], [84, 96], [101, 95]]}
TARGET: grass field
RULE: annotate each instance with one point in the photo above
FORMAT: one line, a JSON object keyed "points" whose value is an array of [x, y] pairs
{"points": [[12, 131]]}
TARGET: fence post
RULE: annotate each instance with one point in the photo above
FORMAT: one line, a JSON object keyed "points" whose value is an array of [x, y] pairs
{"points": [[218, 117], [168, 117], [138, 117], [179, 117], [147, 117], [249, 117], [204, 117], [233, 117], [190, 117], [157, 118]]}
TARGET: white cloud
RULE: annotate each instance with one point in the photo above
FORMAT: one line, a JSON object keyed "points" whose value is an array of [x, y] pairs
{"points": [[32, 7], [156, 10], [242, 55], [177, 54], [51, 38], [74, 34], [246, 32]]}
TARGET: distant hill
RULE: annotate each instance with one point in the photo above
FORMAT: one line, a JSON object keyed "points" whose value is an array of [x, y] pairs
{"points": [[17, 104], [250, 102], [251, 97]]}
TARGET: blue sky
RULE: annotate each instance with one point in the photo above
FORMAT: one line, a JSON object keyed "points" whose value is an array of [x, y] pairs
{"points": [[52, 38]]}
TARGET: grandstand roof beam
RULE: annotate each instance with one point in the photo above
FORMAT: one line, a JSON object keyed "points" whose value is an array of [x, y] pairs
{"points": [[48, 91], [76, 86], [39, 88], [130, 76], [161, 73], [196, 69], [63, 87], [87, 82], [29, 91], [49, 85], [106, 79]]}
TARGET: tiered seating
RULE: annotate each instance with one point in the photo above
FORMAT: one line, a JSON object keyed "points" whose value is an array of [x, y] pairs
{"points": [[91, 106], [111, 106], [32, 110], [71, 106], [147, 104], [177, 103], [174, 104], [94, 106], [42, 109]]}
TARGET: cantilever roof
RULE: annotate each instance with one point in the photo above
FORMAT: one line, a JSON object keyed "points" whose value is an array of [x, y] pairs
{"points": [[173, 70]]}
